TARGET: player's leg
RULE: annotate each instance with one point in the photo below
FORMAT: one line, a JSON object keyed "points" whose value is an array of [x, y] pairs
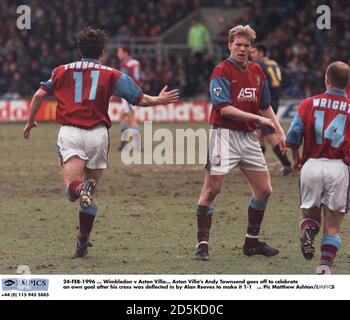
{"points": [[211, 188], [134, 128], [76, 186], [331, 241], [88, 214], [260, 184], [123, 125], [220, 162], [73, 160], [254, 168], [309, 228], [311, 190], [335, 200], [273, 140], [124, 122], [132, 121], [73, 170], [128, 121], [96, 142]]}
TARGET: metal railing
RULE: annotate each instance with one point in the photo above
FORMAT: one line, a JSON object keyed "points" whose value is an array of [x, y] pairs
{"points": [[157, 49]]}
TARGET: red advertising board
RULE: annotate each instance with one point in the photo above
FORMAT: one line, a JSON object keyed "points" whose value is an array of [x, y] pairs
{"points": [[17, 110]]}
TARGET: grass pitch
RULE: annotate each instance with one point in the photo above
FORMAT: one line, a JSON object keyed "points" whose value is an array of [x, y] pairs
{"points": [[146, 221]]}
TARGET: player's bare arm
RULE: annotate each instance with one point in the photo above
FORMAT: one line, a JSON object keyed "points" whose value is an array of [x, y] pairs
{"points": [[235, 114], [164, 97], [269, 113], [33, 110], [296, 158]]}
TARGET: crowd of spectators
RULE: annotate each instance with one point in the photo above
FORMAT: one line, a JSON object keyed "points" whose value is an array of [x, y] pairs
{"points": [[288, 28], [290, 31], [28, 56], [187, 72]]}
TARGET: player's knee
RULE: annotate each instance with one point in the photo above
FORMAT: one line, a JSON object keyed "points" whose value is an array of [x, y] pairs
{"points": [[92, 209], [264, 193], [212, 192], [267, 192]]}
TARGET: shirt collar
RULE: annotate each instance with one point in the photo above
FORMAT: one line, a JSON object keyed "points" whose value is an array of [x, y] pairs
{"points": [[91, 60], [336, 92], [237, 65]]}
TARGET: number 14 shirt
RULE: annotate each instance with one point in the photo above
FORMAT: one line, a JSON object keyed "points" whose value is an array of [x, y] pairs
{"points": [[323, 122]]}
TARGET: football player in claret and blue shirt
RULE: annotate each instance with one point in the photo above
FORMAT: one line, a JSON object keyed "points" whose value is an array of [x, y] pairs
{"points": [[277, 78], [241, 100], [133, 69], [322, 123], [83, 89]]}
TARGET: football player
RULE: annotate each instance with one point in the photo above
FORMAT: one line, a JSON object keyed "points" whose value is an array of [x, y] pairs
{"points": [[83, 89], [241, 100], [133, 69], [323, 123]]}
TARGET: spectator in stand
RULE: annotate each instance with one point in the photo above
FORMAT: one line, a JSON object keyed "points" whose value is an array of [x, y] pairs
{"points": [[198, 37]]}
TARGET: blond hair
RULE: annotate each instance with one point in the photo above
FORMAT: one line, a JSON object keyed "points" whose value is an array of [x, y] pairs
{"points": [[244, 31]]}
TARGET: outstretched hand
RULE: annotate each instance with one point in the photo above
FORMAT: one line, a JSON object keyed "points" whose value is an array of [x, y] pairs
{"points": [[166, 97], [29, 126]]}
